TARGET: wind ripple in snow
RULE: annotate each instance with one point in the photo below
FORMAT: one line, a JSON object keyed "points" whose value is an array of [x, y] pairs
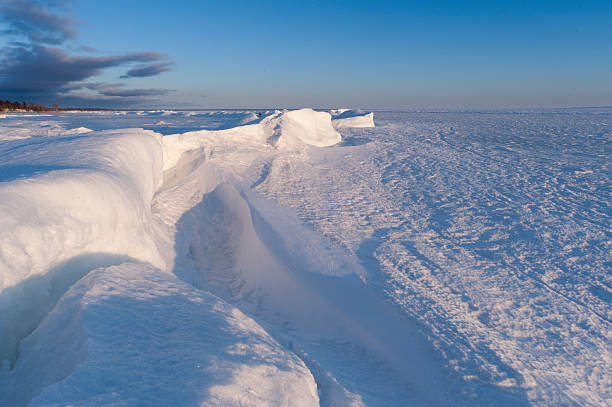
{"points": [[492, 229]]}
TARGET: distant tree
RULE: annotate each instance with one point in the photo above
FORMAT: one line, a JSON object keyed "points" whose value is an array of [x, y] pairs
{"points": [[28, 106]]}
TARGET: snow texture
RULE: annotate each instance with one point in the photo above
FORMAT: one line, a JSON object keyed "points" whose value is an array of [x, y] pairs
{"points": [[345, 118], [134, 335], [306, 258]]}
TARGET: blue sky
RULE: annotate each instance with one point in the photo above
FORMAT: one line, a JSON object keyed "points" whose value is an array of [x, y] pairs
{"points": [[378, 54]]}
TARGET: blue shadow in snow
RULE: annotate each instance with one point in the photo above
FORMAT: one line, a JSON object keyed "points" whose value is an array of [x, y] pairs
{"points": [[13, 172], [24, 305]]}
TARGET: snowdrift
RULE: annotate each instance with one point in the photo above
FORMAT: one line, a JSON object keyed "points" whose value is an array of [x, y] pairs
{"points": [[306, 126], [346, 118], [134, 335], [68, 205], [287, 130], [78, 195]]}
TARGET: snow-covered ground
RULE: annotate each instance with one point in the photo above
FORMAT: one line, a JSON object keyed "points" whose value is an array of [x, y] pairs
{"points": [[306, 258]]}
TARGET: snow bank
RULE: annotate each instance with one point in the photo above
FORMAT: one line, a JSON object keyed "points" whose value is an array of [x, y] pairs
{"points": [[155, 340], [306, 126], [74, 199], [286, 130], [78, 195], [177, 144], [345, 118]]}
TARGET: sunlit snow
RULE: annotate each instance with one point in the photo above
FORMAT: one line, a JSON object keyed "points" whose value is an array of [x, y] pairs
{"points": [[298, 258]]}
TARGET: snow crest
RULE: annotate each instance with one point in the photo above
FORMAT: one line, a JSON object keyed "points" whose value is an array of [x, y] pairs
{"points": [[285, 130], [346, 118], [69, 205]]}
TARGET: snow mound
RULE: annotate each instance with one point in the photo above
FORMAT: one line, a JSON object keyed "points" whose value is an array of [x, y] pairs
{"points": [[249, 118], [77, 130], [78, 195], [306, 126], [115, 322], [72, 199], [346, 118], [287, 130]]}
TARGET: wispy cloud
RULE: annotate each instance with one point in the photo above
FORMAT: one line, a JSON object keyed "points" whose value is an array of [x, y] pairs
{"points": [[141, 71], [35, 64], [108, 95]]}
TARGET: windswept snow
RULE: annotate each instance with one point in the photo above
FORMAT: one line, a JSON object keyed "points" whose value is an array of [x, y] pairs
{"points": [[492, 229], [305, 258], [308, 127], [20, 129], [345, 118], [71, 197], [134, 335], [289, 130]]}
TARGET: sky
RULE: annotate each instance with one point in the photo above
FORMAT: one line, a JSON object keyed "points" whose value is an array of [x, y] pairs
{"points": [[394, 55]]}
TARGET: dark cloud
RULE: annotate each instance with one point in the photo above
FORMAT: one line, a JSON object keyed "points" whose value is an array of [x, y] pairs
{"points": [[135, 92], [36, 69], [34, 66], [108, 95], [86, 48], [30, 20], [118, 90], [141, 71]]}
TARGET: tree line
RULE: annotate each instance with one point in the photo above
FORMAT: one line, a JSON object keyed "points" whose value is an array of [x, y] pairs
{"points": [[27, 106]]}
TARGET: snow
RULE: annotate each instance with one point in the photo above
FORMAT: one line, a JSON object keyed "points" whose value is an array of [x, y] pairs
{"points": [[343, 118], [288, 130], [308, 127], [478, 225], [305, 258], [66, 197], [106, 323], [20, 129]]}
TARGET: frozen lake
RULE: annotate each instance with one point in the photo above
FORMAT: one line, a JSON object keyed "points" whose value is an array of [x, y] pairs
{"points": [[438, 258]]}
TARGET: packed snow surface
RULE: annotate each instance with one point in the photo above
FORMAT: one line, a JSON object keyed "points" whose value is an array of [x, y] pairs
{"points": [[306, 258]]}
